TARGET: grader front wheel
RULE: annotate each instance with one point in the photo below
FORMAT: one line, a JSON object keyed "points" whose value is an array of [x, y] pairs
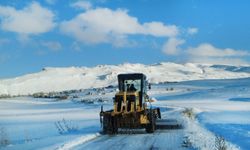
{"points": [[109, 125]]}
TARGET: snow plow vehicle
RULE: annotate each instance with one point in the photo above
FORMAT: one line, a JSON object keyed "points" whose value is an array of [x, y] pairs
{"points": [[131, 106]]}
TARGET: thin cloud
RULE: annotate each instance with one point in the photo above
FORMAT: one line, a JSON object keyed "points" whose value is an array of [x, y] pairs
{"points": [[52, 45], [51, 2], [40, 53], [76, 47], [4, 41], [208, 50], [218, 60], [192, 31], [207, 53], [85, 5], [172, 46], [3, 58]]}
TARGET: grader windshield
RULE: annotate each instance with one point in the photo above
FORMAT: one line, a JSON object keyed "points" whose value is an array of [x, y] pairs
{"points": [[135, 82], [131, 82], [132, 85]]}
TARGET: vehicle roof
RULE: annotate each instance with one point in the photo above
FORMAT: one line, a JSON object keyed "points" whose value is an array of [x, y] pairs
{"points": [[132, 76]]}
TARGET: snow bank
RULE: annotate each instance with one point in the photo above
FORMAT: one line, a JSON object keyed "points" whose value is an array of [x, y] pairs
{"points": [[61, 79], [78, 141], [201, 138]]}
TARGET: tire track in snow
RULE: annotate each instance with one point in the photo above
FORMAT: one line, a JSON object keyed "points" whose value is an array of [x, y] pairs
{"points": [[161, 139]]}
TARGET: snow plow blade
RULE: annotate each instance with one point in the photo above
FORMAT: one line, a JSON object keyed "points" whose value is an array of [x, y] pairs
{"points": [[168, 124]]}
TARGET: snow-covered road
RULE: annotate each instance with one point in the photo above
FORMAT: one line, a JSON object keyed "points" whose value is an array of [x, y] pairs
{"points": [[161, 139]]}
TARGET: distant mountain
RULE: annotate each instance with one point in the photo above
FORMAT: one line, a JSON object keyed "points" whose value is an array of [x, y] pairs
{"points": [[245, 69], [61, 79]]}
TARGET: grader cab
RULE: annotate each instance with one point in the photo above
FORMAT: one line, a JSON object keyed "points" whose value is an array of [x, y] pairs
{"points": [[131, 110]]}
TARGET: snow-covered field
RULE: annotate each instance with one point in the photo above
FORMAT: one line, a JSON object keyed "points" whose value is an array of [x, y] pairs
{"points": [[220, 107], [31, 123], [61, 79], [218, 99]]}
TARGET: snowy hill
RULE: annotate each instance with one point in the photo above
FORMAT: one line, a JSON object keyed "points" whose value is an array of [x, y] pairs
{"points": [[60, 79]]}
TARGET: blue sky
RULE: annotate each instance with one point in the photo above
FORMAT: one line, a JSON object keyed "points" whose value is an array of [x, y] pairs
{"points": [[37, 34]]}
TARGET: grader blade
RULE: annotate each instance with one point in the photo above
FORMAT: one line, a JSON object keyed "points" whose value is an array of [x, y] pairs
{"points": [[168, 124]]}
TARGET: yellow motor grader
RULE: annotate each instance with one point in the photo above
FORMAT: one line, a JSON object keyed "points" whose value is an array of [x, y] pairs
{"points": [[131, 110]]}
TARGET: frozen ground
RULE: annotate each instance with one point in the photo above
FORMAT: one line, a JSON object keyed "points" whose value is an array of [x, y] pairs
{"points": [[221, 107]]}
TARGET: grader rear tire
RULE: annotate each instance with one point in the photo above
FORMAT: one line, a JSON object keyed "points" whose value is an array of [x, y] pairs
{"points": [[114, 125], [105, 125], [150, 128]]}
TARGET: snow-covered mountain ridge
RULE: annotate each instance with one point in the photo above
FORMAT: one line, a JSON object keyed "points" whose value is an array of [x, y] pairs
{"points": [[61, 79]]}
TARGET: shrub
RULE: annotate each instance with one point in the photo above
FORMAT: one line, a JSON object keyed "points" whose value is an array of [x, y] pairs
{"points": [[27, 136], [189, 112], [64, 127], [4, 140], [63, 97], [186, 142], [5, 96], [220, 143], [39, 95]]}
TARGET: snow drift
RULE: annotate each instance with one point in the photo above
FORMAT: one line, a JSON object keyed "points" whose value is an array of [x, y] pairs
{"points": [[61, 79]]}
